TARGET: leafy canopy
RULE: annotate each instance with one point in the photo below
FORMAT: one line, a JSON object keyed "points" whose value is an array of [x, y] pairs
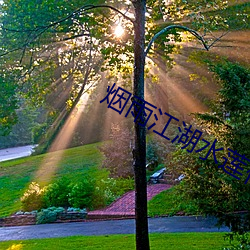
{"points": [[59, 48]]}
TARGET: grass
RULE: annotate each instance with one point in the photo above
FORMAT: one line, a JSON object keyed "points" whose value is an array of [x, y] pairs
{"points": [[169, 203], [16, 175], [170, 241]]}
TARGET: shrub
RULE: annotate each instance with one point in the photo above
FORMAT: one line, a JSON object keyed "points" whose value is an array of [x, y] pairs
{"points": [[48, 215], [157, 150], [212, 187], [122, 186], [38, 131], [33, 197], [243, 241], [56, 194], [103, 195], [109, 189], [205, 184], [73, 209], [81, 194]]}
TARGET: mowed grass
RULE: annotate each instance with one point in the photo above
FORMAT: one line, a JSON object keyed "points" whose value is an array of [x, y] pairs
{"points": [[16, 175], [170, 241], [169, 202]]}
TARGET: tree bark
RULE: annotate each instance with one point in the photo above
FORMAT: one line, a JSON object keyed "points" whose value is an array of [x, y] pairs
{"points": [[139, 152]]}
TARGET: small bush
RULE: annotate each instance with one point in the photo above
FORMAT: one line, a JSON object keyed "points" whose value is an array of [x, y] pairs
{"points": [[48, 215], [109, 189], [33, 198], [243, 242], [103, 195], [73, 209], [81, 194], [157, 150], [57, 193], [38, 131], [122, 186]]}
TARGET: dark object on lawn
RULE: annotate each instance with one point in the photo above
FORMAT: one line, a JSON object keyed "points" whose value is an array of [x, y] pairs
{"points": [[155, 177]]}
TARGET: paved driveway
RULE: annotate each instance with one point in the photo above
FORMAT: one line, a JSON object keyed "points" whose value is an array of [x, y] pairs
{"points": [[156, 225], [14, 153]]}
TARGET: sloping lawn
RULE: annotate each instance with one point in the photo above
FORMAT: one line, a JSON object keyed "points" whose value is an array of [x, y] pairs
{"points": [[170, 241], [169, 202], [16, 175]]}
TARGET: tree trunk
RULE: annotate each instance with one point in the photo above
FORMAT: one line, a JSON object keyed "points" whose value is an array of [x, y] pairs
{"points": [[139, 152]]}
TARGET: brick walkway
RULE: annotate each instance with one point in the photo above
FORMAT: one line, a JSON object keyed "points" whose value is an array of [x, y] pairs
{"points": [[124, 207]]}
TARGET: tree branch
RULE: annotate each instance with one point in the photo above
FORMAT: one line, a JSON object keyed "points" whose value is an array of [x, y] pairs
{"points": [[74, 13], [42, 29], [86, 8], [193, 32], [218, 38], [112, 8]]}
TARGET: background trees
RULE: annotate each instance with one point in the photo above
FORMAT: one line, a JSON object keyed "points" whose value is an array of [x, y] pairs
{"points": [[8, 105]]}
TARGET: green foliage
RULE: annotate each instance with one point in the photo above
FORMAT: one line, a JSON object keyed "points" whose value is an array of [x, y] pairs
{"points": [[108, 190], [235, 81], [73, 209], [236, 16], [213, 190], [123, 185], [81, 194], [56, 194], [61, 193], [92, 192], [243, 242], [22, 132], [103, 193], [230, 121], [157, 150], [32, 198], [48, 215], [204, 184], [38, 131], [8, 105], [52, 44]]}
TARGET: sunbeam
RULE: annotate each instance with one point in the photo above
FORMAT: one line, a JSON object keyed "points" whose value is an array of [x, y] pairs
{"points": [[51, 161]]}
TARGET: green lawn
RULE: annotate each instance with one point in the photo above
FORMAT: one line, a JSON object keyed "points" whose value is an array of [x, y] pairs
{"points": [[169, 202], [16, 175], [169, 241]]}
